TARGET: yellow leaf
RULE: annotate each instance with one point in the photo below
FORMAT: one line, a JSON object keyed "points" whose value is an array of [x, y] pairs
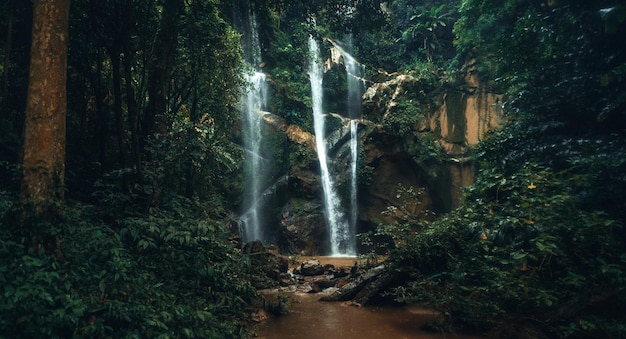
{"points": [[531, 186]]}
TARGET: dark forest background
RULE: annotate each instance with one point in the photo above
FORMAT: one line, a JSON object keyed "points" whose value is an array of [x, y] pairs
{"points": [[142, 242]]}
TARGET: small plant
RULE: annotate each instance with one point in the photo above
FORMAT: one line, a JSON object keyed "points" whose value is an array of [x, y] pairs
{"points": [[369, 259], [424, 28], [294, 259], [279, 306]]}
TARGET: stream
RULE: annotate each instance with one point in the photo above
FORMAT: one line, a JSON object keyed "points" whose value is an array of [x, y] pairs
{"points": [[310, 318]]}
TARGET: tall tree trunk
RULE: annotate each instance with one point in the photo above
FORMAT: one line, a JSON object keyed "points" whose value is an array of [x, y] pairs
{"points": [[120, 131], [160, 67], [133, 117], [7, 57], [131, 98], [102, 130], [44, 127]]}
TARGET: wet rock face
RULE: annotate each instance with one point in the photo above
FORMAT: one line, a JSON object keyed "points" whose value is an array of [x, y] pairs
{"points": [[464, 118], [360, 282], [391, 172], [313, 277], [310, 267], [269, 267], [453, 122], [303, 228]]}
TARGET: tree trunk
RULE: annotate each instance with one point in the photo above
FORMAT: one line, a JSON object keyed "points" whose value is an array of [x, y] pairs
{"points": [[7, 57], [102, 130], [160, 67], [133, 116], [44, 128], [120, 130]]}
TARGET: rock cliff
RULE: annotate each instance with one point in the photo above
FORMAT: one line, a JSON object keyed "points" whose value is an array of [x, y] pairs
{"points": [[426, 151]]}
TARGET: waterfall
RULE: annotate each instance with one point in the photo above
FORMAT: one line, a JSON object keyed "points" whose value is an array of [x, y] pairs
{"points": [[254, 99], [354, 151], [355, 73], [340, 235]]}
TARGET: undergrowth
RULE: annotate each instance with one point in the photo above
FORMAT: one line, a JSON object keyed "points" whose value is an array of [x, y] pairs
{"points": [[535, 250], [167, 273]]}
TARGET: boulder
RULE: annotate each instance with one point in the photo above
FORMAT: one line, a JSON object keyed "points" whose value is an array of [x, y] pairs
{"points": [[350, 290], [254, 247], [285, 279], [311, 267], [302, 227], [323, 284], [269, 266]]}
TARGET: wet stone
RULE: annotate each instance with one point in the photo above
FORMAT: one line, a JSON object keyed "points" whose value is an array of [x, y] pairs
{"points": [[311, 267]]}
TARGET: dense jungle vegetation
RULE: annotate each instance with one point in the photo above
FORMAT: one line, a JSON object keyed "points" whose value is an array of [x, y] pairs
{"points": [[136, 238]]}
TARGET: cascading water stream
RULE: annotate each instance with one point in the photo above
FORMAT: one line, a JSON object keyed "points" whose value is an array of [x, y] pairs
{"points": [[254, 99], [356, 85], [341, 242], [354, 151]]}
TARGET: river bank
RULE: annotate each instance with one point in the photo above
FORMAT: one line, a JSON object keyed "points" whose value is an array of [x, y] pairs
{"points": [[310, 318]]}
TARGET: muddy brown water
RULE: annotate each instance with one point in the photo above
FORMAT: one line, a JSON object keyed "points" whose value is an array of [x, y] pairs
{"points": [[310, 318]]}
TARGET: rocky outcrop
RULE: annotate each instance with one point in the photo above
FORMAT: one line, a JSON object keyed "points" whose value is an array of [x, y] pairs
{"points": [[382, 97], [302, 227], [464, 118], [268, 266], [361, 283], [310, 267], [466, 111], [293, 132], [430, 158], [362, 287]]}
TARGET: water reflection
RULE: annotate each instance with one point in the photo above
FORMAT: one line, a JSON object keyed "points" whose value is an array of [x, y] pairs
{"points": [[312, 319]]}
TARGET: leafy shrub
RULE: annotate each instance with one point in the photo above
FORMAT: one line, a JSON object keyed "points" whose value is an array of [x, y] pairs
{"points": [[529, 247], [167, 274]]}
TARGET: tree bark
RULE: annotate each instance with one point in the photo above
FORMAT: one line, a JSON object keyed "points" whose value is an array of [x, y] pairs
{"points": [[46, 105], [120, 131], [160, 68], [133, 116], [7, 57]]}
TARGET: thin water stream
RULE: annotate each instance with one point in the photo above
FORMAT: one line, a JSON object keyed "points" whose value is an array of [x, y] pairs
{"points": [[341, 242], [254, 99]]}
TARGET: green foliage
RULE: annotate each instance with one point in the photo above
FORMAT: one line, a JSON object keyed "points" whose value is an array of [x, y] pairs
{"points": [[407, 120], [402, 218], [424, 28], [279, 306], [396, 34], [287, 60], [167, 274], [551, 58], [407, 215], [208, 76], [192, 161], [364, 173], [535, 242], [404, 118], [536, 248], [111, 115], [300, 156], [418, 98]]}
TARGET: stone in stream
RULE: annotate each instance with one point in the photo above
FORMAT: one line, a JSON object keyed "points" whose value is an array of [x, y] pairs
{"points": [[322, 284], [311, 267], [362, 288], [270, 267]]}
